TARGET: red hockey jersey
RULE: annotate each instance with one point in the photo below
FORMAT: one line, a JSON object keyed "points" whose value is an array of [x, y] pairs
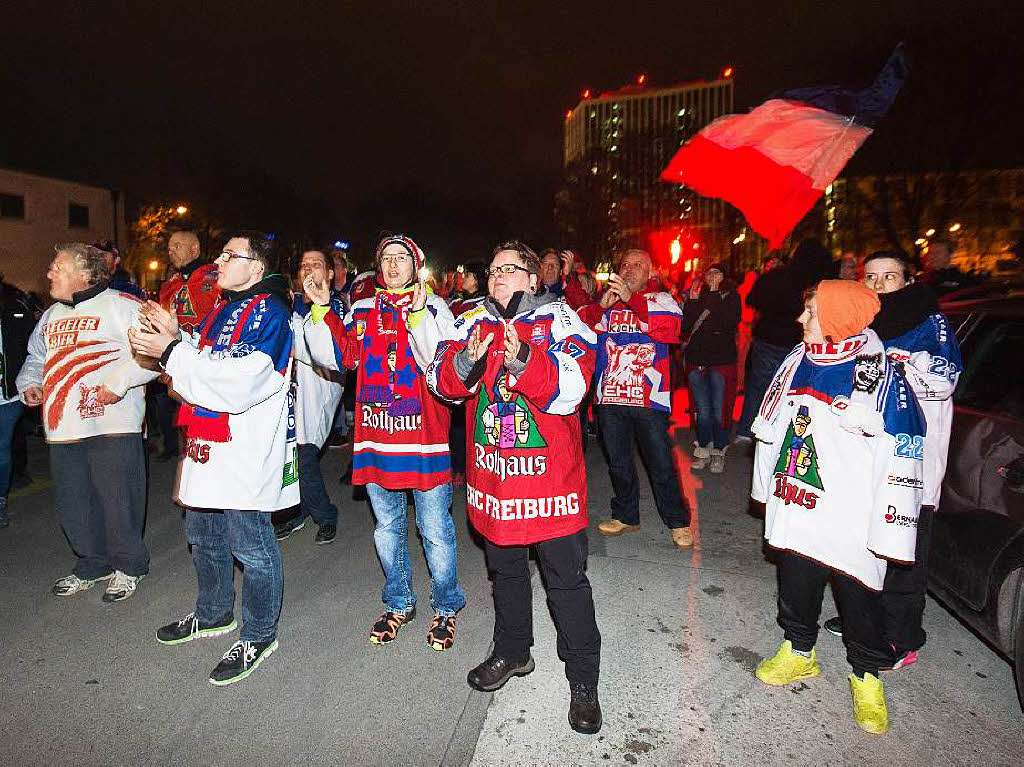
{"points": [[525, 478], [191, 294]]}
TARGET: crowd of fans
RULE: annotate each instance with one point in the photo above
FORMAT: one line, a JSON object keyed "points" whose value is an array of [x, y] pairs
{"points": [[490, 378]]}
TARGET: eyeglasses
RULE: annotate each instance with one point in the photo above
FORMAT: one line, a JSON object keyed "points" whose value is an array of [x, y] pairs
{"points": [[227, 255], [395, 258], [504, 269]]}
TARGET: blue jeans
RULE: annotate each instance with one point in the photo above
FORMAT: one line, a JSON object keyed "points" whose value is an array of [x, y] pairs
{"points": [[219, 538], [707, 390], [9, 415], [315, 502], [620, 425], [763, 360], [391, 537]]}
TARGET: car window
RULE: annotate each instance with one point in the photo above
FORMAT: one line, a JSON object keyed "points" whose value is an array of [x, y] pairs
{"points": [[993, 363]]}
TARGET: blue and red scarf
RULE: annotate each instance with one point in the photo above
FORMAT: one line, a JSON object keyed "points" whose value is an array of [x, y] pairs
{"points": [[198, 422]]}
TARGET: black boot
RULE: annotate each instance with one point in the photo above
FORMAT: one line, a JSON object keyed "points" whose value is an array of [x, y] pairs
{"points": [[584, 709], [492, 674]]}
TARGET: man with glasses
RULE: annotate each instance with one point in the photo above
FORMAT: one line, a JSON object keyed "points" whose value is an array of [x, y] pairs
{"points": [[401, 431], [241, 460]]}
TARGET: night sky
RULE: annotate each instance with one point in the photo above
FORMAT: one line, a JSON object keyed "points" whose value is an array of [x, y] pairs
{"points": [[444, 119]]}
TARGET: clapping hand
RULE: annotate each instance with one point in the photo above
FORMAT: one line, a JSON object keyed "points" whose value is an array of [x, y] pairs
{"points": [[419, 296], [512, 344], [159, 330], [476, 348]]}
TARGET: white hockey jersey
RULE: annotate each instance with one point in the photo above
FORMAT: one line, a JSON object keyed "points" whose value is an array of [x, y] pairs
{"points": [[74, 350], [234, 374], [319, 391], [839, 460]]}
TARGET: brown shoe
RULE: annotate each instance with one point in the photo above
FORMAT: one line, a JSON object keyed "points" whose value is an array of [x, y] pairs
{"points": [[612, 527], [682, 537]]}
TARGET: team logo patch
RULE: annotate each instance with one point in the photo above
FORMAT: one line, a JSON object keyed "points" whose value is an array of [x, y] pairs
{"points": [[799, 458], [88, 407], [867, 372]]}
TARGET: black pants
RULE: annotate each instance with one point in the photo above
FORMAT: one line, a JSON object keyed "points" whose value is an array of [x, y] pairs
{"points": [[801, 589], [563, 563], [100, 489], [904, 591], [457, 438], [166, 414], [620, 425]]}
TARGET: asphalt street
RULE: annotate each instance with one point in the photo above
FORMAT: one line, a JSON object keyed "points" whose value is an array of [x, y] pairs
{"points": [[85, 683]]}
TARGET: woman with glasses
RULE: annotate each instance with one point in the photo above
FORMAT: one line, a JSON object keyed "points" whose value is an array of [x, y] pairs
{"points": [[522, 363], [401, 431]]}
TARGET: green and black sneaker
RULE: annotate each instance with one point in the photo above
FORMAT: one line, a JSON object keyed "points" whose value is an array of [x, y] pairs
{"points": [[190, 627], [241, 660]]}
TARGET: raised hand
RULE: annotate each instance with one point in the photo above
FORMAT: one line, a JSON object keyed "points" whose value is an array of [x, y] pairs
{"points": [[419, 296], [317, 292], [620, 287]]}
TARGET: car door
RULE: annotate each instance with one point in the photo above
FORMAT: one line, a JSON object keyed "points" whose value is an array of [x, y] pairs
{"points": [[982, 509]]}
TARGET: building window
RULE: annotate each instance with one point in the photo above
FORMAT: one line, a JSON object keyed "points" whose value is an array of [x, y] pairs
{"points": [[12, 206], [78, 216]]}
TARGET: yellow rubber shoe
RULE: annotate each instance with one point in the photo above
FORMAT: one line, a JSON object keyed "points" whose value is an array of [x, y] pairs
{"points": [[869, 709], [787, 667]]}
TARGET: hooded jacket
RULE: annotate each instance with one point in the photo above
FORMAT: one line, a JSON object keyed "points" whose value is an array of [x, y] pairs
{"points": [[401, 429], [918, 338], [525, 479], [234, 375], [77, 347]]}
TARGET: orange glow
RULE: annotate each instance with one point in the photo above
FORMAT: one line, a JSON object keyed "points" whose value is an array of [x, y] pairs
{"points": [[586, 93], [727, 72], [568, 115], [675, 248], [688, 265], [642, 79], [154, 265]]}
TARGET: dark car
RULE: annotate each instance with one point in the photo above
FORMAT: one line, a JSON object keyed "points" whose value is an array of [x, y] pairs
{"points": [[977, 556]]}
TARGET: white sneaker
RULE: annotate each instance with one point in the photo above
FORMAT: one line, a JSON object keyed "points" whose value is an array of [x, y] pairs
{"points": [[701, 454], [70, 585], [717, 461], [121, 587]]}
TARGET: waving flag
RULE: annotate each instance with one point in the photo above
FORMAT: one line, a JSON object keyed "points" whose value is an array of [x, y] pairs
{"points": [[776, 161]]}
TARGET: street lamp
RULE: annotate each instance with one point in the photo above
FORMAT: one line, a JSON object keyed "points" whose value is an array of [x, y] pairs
{"points": [[154, 265], [955, 228], [181, 210]]}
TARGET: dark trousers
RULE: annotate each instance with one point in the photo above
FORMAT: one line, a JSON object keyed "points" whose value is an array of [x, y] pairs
{"points": [[315, 502], [457, 438], [763, 360], [166, 414], [100, 489], [563, 563], [904, 590], [620, 426], [801, 589]]}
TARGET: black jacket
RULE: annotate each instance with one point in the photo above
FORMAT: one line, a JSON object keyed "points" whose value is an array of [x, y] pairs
{"points": [[778, 295], [17, 321], [714, 342]]}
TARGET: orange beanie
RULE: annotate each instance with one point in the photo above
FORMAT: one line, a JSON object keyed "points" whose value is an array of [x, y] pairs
{"points": [[845, 308]]}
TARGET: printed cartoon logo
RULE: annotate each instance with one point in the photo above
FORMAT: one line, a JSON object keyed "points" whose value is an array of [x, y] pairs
{"points": [[87, 405], [183, 303], [867, 372], [798, 457], [624, 381], [504, 421]]}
